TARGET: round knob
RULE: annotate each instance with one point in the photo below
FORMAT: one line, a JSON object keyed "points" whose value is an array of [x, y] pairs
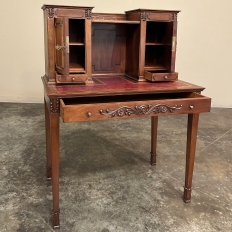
{"points": [[191, 107], [73, 79], [89, 114], [165, 77]]}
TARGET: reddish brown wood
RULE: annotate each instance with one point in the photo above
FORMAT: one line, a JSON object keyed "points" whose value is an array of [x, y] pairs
{"points": [[154, 128], [111, 90], [155, 76], [132, 50], [124, 37], [102, 50], [190, 154], [85, 109], [108, 46], [49, 44], [54, 137], [48, 143]]}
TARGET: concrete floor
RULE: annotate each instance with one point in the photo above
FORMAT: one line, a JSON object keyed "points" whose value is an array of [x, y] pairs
{"points": [[106, 181]]}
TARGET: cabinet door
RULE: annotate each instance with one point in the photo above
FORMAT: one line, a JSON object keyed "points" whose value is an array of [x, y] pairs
{"points": [[171, 32], [62, 45], [174, 42]]}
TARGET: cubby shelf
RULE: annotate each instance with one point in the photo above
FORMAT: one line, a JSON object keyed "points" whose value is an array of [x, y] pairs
{"points": [[73, 68], [76, 44], [152, 67]]}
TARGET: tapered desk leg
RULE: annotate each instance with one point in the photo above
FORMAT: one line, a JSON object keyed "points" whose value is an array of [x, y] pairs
{"points": [[154, 126], [190, 154], [48, 143], [54, 136]]}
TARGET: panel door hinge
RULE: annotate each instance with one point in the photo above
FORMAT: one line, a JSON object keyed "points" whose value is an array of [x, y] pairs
{"points": [[173, 44], [65, 46]]}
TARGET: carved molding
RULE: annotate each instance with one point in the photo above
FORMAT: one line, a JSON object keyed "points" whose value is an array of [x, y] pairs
{"points": [[88, 13], [103, 17], [51, 12], [143, 16], [139, 110], [54, 105], [174, 17]]}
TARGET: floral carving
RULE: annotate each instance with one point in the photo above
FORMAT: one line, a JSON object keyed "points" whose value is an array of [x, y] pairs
{"points": [[88, 13], [174, 16], [143, 16], [51, 12], [139, 110], [103, 17]]}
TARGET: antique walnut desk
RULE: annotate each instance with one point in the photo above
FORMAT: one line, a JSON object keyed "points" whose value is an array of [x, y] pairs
{"points": [[112, 66]]}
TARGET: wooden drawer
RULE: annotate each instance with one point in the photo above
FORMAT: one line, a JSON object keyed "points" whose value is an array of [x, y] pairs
{"points": [[155, 77], [102, 108], [81, 78]]}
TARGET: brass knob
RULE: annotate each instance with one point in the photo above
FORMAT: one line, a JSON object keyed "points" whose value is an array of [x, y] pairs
{"points": [[89, 114], [191, 107], [73, 79], [165, 77]]}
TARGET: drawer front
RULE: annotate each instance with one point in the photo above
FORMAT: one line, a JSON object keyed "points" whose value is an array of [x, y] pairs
{"points": [[117, 110], [156, 77], [81, 78]]}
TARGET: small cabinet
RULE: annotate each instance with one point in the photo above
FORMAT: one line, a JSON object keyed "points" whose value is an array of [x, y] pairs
{"points": [[79, 44], [157, 44], [160, 51], [72, 49]]}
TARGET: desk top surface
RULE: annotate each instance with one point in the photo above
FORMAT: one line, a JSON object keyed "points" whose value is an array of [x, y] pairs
{"points": [[118, 85]]}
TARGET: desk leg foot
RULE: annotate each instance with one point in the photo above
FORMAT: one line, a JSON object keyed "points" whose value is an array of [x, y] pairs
{"points": [[187, 195], [154, 127], [56, 219], [49, 173], [153, 159]]}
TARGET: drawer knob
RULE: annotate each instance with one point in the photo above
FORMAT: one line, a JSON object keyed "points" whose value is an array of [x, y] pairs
{"points": [[165, 77], [73, 79], [89, 114], [191, 107]]}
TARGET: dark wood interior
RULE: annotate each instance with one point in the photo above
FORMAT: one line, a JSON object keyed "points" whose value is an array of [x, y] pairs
{"points": [[129, 98], [108, 48]]}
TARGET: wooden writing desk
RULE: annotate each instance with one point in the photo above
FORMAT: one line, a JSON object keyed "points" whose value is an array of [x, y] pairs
{"points": [[115, 97], [105, 66]]}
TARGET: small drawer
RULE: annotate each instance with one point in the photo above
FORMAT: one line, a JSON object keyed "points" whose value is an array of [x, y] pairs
{"points": [[102, 108], [72, 78], [156, 77]]}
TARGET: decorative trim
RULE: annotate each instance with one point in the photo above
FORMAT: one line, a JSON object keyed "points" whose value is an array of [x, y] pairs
{"points": [[88, 13], [55, 212], [54, 105], [174, 17], [153, 158], [187, 189], [152, 154], [51, 12], [107, 18], [143, 16], [139, 110]]}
